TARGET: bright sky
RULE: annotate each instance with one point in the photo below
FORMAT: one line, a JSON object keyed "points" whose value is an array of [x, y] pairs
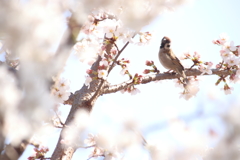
{"points": [[191, 27]]}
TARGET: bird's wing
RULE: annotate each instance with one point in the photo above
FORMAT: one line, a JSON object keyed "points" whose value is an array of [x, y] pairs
{"points": [[174, 59]]}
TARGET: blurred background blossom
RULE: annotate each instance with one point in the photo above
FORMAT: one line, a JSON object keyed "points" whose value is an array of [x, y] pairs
{"points": [[154, 123]]}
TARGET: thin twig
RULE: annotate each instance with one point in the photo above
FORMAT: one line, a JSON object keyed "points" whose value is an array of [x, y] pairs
{"points": [[192, 66], [116, 47], [221, 64], [111, 67], [59, 119], [115, 59]]}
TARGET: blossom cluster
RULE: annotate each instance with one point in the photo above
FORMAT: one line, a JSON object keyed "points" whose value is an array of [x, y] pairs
{"points": [[124, 65], [39, 153], [101, 31], [105, 26], [230, 61], [60, 90], [192, 88]]}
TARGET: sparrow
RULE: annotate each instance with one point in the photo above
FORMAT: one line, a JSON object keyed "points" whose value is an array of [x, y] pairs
{"points": [[169, 60]]}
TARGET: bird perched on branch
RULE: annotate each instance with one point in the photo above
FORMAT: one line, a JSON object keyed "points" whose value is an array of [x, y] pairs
{"points": [[170, 61]]}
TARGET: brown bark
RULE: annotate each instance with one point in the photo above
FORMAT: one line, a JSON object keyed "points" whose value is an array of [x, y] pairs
{"points": [[161, 76]]}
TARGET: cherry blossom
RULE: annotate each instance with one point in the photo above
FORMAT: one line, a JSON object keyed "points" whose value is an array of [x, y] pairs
{"points": [[111, 155], [135, 91], [145, 38], [229, 47], [232, 47], [63, 84], [60, 90], [227, 89], [238, 72], [225, 54], [231, 61], [110, 27], [223, 38], [128, 36], [87, 50], [192, 89], [123, 71], [196, 55], [103, 62], [96, 152], [90, 140], [61, 96], [206, 69], [88, 80], [102, 74]]}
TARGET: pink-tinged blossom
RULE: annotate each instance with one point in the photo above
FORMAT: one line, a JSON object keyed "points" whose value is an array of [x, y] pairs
{"points": [[128, 37], [113, 52], [102, 74], [216, 42], [123, 71], [63, 84], [192, 89], [205, 68], [233, 60], [235, 78], [103, 62], [135, 91], [88, 80], [145, 38], [111, 155], [79, 46], [232, 47], [109, 27], [60, 90], [62, 96], [123, 91], [96, 152], [196, 55], [225, 55], [184, 55], [229, 47], [90, 140], [87, 50], [218, 66], [223, 38], [238, 72], [227, 89], [178, 83]]}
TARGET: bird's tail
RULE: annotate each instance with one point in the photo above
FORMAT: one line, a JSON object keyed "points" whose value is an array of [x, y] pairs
{"points": [[185, 81]]}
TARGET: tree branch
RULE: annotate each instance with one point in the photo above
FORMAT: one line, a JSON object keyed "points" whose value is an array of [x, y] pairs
{"points": [[161, 76]]}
